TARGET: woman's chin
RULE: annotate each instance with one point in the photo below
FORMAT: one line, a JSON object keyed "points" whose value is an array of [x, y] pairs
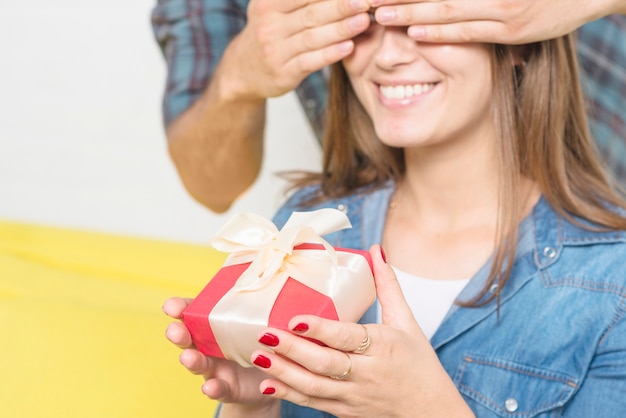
{"points": [[400, 139]]}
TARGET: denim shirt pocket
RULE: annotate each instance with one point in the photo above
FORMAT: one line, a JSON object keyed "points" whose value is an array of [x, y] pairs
{"points": [[508, 389]]}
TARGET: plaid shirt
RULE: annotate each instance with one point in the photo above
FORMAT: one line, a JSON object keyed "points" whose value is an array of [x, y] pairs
{"points": [[602, 56], [194, 33]]}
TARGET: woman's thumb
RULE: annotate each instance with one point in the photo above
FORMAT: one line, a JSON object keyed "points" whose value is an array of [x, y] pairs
{"points": [[395, 311]]}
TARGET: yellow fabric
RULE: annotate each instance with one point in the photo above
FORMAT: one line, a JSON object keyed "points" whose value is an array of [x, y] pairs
{"points": [[81, 327]]}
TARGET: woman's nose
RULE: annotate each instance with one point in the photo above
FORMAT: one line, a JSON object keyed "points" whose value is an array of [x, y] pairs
{"points": [[395, 48]]}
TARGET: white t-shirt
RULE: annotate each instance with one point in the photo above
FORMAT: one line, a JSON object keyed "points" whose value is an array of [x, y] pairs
{"points": [[429, 299]]}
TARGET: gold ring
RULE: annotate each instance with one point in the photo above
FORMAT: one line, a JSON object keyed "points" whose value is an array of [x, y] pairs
{"points": [[364, 344], [344, 375]]}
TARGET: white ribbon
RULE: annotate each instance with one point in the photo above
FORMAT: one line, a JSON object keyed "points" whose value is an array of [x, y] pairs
{"points": [[252, 238]]}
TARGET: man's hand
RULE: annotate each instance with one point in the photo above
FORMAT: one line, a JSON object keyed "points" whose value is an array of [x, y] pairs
{"points": [[285, 41], [497, 21]]}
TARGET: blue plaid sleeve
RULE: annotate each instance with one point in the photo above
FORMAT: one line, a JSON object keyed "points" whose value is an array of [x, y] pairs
{"points": [[193, 35], [602, 56]]}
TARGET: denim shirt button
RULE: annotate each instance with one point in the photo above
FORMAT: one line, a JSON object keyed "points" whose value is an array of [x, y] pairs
{"points": [[549, 252], [343, 208], [511, 405]]}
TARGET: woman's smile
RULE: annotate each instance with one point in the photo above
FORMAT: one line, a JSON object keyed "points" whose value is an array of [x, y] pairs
{"points": [[418, 94]]}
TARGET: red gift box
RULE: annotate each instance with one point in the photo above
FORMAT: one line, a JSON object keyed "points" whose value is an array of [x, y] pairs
{"points": [[274, 276]]}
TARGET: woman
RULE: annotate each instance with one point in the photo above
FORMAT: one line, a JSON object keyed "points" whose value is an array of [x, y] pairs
{"points": [[472, 165]]}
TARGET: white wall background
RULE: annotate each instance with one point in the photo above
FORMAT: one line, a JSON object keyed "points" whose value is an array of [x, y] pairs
{"points": [[81, 139]]}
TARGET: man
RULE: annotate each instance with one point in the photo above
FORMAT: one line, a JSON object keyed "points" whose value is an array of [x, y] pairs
{"points": [[226, 57]]}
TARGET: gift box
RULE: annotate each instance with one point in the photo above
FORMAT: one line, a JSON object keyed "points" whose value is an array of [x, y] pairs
{"points": [[270, 276]]}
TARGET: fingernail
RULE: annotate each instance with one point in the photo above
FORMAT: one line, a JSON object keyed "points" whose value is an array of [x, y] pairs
{"points": [[417, 32], [345, 47], [385, 15], [382, 254], [301, 327], [269, 391], [269, 339], [359, 22], [262, 361], [168, 332]]}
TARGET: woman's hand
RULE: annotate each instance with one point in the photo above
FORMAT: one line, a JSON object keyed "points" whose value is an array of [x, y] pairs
{"points": [[225, 380], [398, 374]]}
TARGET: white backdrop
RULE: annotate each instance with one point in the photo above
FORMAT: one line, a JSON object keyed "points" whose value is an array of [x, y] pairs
{"points": [[81, 139]]}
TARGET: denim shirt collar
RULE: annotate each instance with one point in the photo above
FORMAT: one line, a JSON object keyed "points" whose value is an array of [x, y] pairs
{"points": [[541, 238]]}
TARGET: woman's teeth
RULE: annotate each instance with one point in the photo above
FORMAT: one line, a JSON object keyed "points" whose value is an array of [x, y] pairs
{"points": [[401, 92]]}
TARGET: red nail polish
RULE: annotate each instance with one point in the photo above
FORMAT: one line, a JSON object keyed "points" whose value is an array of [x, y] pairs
{"points": [[301, 327], [269, 339], [269, 391], [262, 361], [382, 254]]}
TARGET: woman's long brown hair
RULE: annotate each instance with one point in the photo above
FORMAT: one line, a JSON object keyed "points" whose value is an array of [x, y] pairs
{"points": [[541, 122]]}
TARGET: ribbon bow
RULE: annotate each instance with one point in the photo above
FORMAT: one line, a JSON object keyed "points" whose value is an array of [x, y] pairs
{"points": [[250, 237]]}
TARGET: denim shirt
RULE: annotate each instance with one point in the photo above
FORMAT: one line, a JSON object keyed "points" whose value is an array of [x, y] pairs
{"points": [[557, 345]]}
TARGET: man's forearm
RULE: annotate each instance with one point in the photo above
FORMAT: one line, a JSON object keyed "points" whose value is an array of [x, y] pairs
{"points": [[217, 144]]}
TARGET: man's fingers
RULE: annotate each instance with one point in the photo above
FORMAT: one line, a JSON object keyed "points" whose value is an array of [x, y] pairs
{"points": [[433, 13], [319, 37], [484, 31], [289, 42], [316, 60], [323, 13], [289, 20], [337, 8], [332, 33], [492, 21], [316, 48], [287, 61]]}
